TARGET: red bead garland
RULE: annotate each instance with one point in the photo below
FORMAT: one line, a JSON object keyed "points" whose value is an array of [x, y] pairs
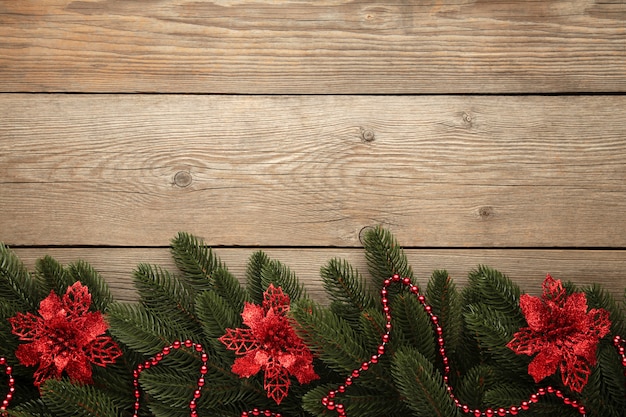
{"points": [[158, 358], [8, 371], [331, 404]]}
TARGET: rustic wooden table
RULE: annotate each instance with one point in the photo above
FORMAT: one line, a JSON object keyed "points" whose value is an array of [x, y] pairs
{"points": [[479, 132]]}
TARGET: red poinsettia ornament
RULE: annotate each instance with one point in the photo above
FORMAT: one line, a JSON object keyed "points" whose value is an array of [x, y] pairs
{"points": [[562, 333], [66, 337], [270, 344]]}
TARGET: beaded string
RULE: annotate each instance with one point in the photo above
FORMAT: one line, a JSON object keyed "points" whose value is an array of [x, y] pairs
{"points": [[330, 402], [8, 371], [193, 403]]}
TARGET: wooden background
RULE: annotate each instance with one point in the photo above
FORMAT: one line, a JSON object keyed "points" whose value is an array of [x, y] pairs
{"points": [[479, 132]]}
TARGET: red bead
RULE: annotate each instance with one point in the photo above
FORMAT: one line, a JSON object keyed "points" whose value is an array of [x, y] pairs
{"points": [[355, 373], [513, 410], [268, 413], [199, 347], [489, 412], [331, 405], [465, 408], [176, 344], [365, 366], [501, 412], [581, 410], [525, 405], [415, 289], [406, 281], [204, 369], [374, 359], [534, 398], [188, 343], [477, 413], [395, 277], [341, 388]]}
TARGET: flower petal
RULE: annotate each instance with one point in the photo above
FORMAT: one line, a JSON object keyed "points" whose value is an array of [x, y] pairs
{"points": [[26, 326], [51, 306], [535, 312], [545, 364], [276, 382], [240, 340], [77, 299], [246, 366]]}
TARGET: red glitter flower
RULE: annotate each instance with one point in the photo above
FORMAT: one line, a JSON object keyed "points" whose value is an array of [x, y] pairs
{"points": [[270, 343], [67, 337], [562, 333]]}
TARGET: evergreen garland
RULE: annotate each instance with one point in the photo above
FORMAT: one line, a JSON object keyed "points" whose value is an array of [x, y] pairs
{"points": [[181, 316]]}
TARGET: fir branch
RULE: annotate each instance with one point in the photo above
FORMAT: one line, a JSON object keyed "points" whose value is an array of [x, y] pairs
{"points": [[53, 275], [493, 330], [64, 398], [229, 288], [257, 262], [195, 260], [141, 330], [17, 287], [443, 297], [421, 385], [331, 338], [161, 291], [493, 288], [384, 256], [216, 315], [412, 324], [472, 386], [605, 391], [98, 288], [347, 289], [280, 275], [167, 297]]}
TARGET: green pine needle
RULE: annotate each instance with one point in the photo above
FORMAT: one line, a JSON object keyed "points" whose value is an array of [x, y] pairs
{"points": [[280, 275], [384, 256], [98, 288], [196, 261], [17, 287], [257, 262], [65, 398], [329, 337], [347, 289], [412, 324], [53, 275], [421, 385]]}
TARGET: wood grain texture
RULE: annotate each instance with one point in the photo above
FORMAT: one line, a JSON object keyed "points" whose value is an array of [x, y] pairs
{"points": [[439, 171], [526, 267], [312, 46]]}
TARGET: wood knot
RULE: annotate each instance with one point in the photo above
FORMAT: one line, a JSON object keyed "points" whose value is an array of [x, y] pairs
{"points": [[182, 179], [367, 135], [486, 212]]}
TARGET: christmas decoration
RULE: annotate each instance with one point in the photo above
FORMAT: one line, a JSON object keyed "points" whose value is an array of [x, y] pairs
{"points": [[200, 342], [66, 337], [562, 332], [270, 343]]}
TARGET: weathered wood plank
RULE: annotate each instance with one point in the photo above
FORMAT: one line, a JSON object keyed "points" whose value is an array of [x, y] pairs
{"points": [[312, 46], [526, 267], [313, 171]]}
